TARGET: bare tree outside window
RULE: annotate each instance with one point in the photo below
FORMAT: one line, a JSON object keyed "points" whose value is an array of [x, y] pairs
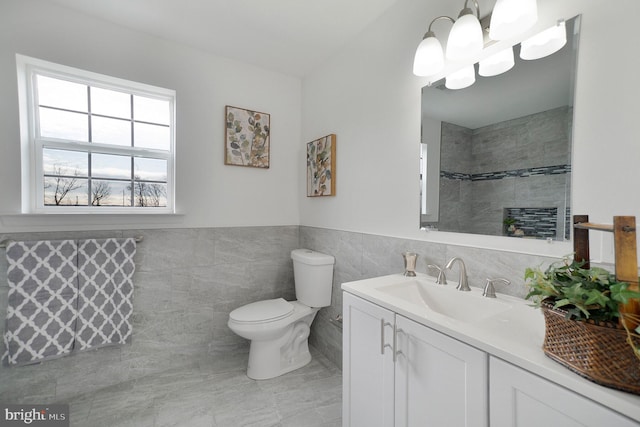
{"points": [[148, 193], [139, 193], [156, 193], [63, 183], [100, 190]]}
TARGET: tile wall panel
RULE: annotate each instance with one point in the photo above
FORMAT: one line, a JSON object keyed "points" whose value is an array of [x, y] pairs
{"points": [[360, 256], [188, 280], [186, 283]]}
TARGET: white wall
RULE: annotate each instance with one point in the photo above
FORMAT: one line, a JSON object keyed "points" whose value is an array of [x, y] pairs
{"points": [[369, 97], [233, 196]]}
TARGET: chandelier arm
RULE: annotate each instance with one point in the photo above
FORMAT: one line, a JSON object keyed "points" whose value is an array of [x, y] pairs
{"points": [[475, 3], [441, 17]]}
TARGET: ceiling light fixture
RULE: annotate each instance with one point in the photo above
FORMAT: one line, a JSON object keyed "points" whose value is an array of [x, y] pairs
{"points": [[512, 17], [544, 43], [465, 41], [465, 38], [462, 78], [497, 63], [429, 58], [508, 19]]}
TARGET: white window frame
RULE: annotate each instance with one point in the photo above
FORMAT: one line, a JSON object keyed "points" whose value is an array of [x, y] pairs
{"points": [[32, 145]]}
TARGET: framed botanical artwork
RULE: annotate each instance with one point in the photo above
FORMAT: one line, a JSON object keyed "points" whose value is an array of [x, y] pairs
{"points": [[321, 167], [246, 138]]}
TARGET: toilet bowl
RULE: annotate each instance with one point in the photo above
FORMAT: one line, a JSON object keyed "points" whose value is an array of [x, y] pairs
{"points": [[279, 329], [278, 344]]}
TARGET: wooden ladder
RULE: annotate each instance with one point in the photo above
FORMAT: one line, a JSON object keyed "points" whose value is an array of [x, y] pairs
{"points": [[626, 259]]}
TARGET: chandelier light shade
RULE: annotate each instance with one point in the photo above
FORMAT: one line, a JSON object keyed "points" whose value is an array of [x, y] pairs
{"points": [[465, 39], [497, 63], [512, 17], [462, 78], [429, 57], [545, 43]]}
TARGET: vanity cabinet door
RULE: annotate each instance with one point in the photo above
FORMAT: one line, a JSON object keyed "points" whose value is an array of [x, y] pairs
{"points": [[439, 381], [522, 399], [367, 364]]}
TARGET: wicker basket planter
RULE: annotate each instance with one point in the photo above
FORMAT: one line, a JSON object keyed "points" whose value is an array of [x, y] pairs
{"points": [[600, 353]]}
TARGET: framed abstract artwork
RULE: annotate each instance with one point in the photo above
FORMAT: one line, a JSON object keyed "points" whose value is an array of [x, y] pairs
{"points": [[321, 167], [246, 138]]}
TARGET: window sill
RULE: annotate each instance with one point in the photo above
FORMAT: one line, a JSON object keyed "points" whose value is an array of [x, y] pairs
{"points": [[63, 211]]}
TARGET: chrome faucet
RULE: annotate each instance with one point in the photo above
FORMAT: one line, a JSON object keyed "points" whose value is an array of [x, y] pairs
{"points": [[489, 290], [441, 279], [463, 283]]}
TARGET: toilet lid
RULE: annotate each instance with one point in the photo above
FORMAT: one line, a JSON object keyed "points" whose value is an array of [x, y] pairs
{"points": [[262, 311]]}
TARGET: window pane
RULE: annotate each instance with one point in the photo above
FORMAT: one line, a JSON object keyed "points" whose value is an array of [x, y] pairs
{"points": [[150, 169], [151, 136], [59, 191], [151, 110], [110, 166], [64, 162], [150, 194], [110, 131], [110, 103], [61, 94], [63, 124], [95, 140], [110, 193]]}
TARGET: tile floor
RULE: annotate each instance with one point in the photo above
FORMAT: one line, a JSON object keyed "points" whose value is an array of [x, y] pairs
{"points": [[217, 393]]}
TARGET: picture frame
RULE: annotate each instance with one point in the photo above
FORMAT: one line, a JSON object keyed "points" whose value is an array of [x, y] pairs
{"points": [[321, 167], [247, 138]]}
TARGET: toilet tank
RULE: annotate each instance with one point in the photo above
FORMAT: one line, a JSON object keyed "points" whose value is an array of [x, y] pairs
{"points": [[313, 275]]}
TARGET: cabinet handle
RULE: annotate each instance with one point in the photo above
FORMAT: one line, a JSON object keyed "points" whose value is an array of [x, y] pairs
{"points": [[382, 344], [396, 352]]}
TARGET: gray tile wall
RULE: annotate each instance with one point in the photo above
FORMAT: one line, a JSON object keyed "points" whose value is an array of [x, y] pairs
{"points": [[186, 283], [188, 280], [455, 194], [360, 256], [534, 141]]}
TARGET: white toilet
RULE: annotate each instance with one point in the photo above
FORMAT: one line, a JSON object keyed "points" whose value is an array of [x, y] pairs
{"points": [[279, 329]]}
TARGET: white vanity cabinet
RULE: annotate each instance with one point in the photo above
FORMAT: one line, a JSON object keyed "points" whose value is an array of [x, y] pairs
{"points": [[522, 399], [397, 372], [416, 354], [439, 381], [367, 365]]}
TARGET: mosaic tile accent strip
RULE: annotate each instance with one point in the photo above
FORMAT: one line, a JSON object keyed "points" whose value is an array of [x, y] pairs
{"points": [[515, 173], [456, 176], [535, 222]]}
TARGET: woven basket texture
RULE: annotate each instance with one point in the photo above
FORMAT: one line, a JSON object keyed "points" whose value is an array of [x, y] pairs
{"points": [[600, 353]]}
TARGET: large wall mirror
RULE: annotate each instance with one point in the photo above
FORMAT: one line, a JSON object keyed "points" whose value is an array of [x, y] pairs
{"points": [[496, 156]]}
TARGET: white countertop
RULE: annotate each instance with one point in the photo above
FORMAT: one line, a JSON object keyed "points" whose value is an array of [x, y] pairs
{"points": [[515, 336]]}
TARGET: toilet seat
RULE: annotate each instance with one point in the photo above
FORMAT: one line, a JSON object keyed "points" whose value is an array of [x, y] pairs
{"points": [[262, 311]]}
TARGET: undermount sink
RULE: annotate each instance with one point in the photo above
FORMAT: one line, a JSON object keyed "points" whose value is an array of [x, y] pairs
{"points": [[446, 300]]}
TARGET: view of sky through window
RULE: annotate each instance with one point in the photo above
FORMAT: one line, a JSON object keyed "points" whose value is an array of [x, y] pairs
{"points": [[102, 147]]}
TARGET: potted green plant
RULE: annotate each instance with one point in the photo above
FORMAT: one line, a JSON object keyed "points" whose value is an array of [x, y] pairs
{"points": [[592, 293], [583, 327], [509, 224]]}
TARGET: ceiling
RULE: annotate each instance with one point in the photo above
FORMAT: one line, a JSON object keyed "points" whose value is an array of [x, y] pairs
{"points": [[289, 36]]}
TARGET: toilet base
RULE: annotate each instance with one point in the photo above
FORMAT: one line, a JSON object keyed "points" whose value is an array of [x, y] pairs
{"points": [[272, 358], [259, 370]]}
